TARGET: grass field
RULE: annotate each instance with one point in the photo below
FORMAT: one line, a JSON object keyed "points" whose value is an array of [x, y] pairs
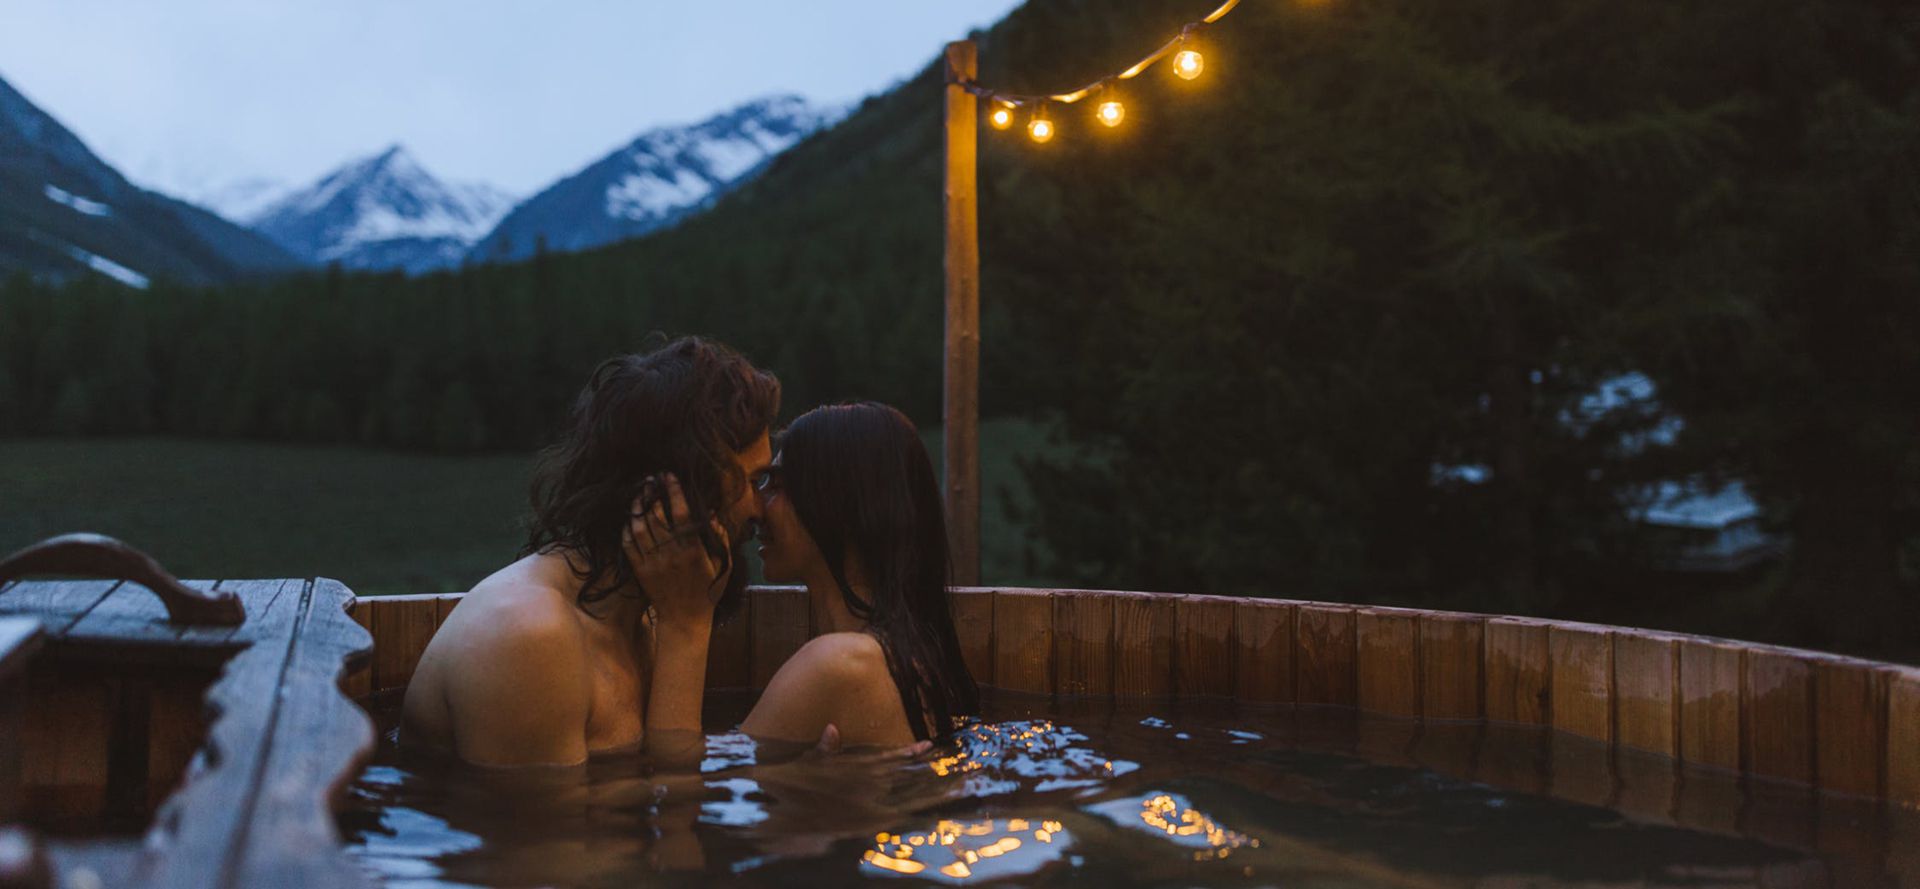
{"points": [[383, 522]]}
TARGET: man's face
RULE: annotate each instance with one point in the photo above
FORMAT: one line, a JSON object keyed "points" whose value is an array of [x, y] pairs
{"points": [[743, 506]]}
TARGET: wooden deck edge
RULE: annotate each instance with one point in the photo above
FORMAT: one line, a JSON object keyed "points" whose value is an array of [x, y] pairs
{"points": [[256, 808]]}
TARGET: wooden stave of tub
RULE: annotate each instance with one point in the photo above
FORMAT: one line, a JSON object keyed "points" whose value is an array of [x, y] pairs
{"points": [[1840, 725]]}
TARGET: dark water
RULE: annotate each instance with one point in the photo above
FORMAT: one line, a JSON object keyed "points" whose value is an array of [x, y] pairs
{"points": [[1165, 793]]}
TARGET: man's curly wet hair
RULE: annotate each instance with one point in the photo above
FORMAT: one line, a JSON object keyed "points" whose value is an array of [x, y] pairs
{"points": [[687, 408]]}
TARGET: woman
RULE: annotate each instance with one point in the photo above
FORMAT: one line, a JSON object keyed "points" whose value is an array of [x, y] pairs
{"points": [[850, 509]]}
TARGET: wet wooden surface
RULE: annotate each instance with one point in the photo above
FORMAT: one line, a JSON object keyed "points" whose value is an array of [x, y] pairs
{"points": [[1387, 673], [255, 807], [1645, 667], [1083, 643], [973, 623], [1142, 644], [1203, 661], [20, 640], [1263, 651], [1778, 705], [1023, 640], [1451, 655], [1849, 722], [1323, 661], [1582, 680], [1710, 676], [1517, 661]]}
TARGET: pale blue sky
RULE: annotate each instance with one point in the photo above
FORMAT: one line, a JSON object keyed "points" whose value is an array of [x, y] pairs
{"points": [[188, 94]]}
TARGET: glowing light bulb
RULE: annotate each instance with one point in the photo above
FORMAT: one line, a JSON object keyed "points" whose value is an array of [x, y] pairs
{"points": [[1188, 64], [1002, 116], [1112, 112], [1040, 128]]}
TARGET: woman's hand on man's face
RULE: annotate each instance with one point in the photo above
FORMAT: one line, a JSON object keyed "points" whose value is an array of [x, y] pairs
{"points": [[663, 545]]}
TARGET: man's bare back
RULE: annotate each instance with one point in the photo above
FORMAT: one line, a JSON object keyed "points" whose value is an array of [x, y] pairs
{"points": [[518, 660]]}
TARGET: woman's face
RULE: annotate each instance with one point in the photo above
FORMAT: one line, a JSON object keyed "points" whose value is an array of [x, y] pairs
{"points": [[787, 552]]}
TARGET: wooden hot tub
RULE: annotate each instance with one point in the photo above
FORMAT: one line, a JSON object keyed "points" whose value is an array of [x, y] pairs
{"points": [[283, 739], [1837, 725]]}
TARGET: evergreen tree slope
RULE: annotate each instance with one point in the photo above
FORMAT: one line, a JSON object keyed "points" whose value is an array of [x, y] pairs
{"points": [[1374, 239]]}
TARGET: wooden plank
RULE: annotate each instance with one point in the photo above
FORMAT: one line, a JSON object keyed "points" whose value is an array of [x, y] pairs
{"points": [[1645, 676], [780, 621], [730, 650], [199, 824], [258, 598], [1324, 652], [1710, 675], [444, 605], [1023, 640], [291, 837], [1849, 726], [56, 603], [357, 684], [66, 739], [402, 627], [1263, 648], [1778, 706], [1388, 667], [1582, 680], [973, 622], [1142, 644], [1083, 643], [131, 613], [1582, 769], [1903, 745], [1203, 652], [1452, 648], [20, 639], [176, 727], [1710, 801], [961, 380], [1649, 788], [1519, 670], [1515, 758]]}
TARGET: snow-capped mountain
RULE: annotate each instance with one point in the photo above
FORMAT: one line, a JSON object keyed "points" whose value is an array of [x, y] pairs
{"points": [[240, 200], [65, 213], [382, 212], [656, 180]]}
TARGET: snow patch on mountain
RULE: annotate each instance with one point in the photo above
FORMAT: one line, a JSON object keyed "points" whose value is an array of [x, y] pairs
{"points": [[659, 178], [60, 195], [109, 268]]}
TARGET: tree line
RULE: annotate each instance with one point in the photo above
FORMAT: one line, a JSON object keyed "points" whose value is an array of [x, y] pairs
{"points": [[1375, 238]]}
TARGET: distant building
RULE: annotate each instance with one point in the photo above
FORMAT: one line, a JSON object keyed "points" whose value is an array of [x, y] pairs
{"points": [[1700, 529], [1697, 527]]}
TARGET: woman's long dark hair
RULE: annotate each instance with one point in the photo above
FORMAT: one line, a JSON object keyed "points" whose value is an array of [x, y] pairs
{"points": [[860, 482], [686, 408]]}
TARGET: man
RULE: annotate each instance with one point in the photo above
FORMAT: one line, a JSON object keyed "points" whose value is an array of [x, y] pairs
{"points": [[551, 658]]}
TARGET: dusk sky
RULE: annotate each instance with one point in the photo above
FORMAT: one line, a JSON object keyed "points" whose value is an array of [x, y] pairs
{"points": [[189, 95]]}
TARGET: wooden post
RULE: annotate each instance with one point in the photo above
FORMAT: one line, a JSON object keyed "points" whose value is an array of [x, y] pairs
{"points": [[963, 315]]}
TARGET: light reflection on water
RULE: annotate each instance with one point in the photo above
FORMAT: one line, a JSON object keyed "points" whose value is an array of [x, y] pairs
{"points": [[1079, 793]]}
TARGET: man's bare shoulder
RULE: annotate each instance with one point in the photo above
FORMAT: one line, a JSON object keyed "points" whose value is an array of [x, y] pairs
{"points": [[523, 604]]}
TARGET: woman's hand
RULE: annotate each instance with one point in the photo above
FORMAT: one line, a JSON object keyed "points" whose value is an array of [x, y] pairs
{"points": [[665, 550]]}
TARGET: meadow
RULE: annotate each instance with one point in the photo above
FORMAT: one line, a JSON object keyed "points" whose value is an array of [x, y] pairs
{"points": [[382, 521]]}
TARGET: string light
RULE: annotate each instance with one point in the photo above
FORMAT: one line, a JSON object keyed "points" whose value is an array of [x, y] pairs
{"points": [[1111, 112], [1187, 64], [1002, 116], [1040, 128]]}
